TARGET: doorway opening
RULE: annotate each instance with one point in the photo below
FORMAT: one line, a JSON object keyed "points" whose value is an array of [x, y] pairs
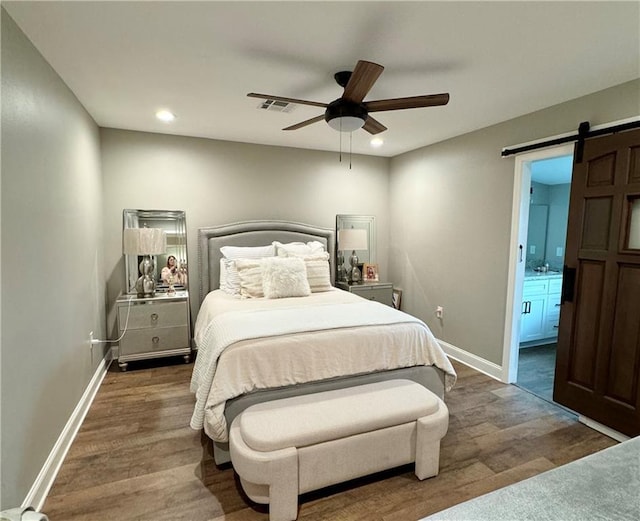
{"points": [[546, 236], [541, 209]]}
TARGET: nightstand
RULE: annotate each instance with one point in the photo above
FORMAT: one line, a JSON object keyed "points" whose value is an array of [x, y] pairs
{"points": [[157, 326], [378, 291]]}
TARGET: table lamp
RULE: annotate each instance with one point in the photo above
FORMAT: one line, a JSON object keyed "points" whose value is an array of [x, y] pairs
{"points": [[353, 239], [145, 242]]}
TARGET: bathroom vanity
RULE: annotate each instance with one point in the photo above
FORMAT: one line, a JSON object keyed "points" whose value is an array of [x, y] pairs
{"points": [[540, 307]]}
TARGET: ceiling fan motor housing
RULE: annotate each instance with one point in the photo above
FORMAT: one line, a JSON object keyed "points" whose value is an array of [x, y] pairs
{"points": [[345, 116]]}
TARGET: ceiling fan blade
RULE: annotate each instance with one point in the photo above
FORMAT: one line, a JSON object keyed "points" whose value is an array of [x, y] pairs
{"points": [[362, 79], [373, 126], [305, 123], [414, 102], [287, 100]]}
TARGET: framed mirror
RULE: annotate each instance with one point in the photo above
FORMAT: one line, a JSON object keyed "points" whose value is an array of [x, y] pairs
{"points": [[366, 255], [173, 261]]}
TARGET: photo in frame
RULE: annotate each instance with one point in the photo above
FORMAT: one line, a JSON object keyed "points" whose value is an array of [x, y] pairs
{"points": [[396, 298], [370, 272]]}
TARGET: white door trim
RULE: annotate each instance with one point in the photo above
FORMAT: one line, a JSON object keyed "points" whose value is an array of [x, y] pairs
{"points": [[519, 223]]}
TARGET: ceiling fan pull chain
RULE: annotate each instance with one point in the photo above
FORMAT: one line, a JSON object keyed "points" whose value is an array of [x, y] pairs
{"points": [[340, 140]]}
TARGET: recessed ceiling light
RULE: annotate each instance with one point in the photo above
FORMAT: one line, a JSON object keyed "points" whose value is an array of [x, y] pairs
{"points": [[165, 115], [376, 142]]}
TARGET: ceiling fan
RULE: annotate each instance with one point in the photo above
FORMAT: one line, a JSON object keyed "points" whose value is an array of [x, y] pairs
{"points": [[350, 112]]}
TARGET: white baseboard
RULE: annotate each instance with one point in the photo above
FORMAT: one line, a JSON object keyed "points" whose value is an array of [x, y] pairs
{"points": [[471, 360], [38, 493], [607, 431]]}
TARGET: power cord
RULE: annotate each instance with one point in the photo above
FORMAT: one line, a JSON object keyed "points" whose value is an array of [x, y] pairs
{"points": [[95, 341]]}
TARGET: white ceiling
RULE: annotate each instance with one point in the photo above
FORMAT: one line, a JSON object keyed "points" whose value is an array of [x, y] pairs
{"points": [[552, 171], [498, 60]]}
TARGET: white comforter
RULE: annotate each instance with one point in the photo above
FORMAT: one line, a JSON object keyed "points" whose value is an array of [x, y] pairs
{"points": [[244, 345]]}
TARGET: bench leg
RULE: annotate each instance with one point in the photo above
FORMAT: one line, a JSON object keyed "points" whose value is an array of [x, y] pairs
{"points": [[278, 470], [430, 430]]}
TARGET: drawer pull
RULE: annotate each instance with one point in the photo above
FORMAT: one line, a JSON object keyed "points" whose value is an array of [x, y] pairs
{"points": [[156, 339], [154, 317]]}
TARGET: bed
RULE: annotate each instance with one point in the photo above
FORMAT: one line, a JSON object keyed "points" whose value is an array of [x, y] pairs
{"points": [[252, 350]]}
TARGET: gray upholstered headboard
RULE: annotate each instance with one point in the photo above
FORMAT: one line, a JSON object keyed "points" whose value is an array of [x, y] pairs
{"points": [[253, 233]]}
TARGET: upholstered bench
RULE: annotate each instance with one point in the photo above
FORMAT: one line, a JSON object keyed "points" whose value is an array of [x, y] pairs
{"points": [[295, 445]]}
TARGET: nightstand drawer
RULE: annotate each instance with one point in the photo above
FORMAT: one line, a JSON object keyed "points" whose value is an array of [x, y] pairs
{"points": [[153, 315], [383, 294], [153, 340], [378, 294]]}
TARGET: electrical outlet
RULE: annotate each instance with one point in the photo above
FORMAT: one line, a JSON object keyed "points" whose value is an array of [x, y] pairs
{"points": [[439, 312], [532, 249], [559, 251]]}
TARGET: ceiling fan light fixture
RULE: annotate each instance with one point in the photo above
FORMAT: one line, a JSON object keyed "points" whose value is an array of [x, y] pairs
{"points": [[346, 123], [345, 116]]}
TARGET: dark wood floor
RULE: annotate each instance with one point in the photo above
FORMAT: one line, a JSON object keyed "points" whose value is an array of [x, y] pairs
{"points": [[135, 457], [537, 369]]}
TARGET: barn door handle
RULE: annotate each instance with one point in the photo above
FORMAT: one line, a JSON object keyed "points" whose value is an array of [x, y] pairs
{"points": [[568, 284], [521, 248]]}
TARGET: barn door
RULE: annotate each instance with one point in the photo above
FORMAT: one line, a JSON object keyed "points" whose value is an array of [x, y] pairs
{"points": [[598, 357]]}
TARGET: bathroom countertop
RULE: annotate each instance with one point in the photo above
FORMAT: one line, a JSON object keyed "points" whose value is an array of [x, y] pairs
{"points": [[530, 274]]}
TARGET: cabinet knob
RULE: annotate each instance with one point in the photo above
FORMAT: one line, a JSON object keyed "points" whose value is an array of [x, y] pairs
{"points": [[155, 339], [154, 317]]}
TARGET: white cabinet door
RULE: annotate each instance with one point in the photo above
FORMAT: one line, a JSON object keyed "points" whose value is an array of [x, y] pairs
{"points": [[532, 323], [553, 316]]}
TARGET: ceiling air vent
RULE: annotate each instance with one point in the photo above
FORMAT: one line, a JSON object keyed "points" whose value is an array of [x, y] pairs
{"points": [[276, 106]]}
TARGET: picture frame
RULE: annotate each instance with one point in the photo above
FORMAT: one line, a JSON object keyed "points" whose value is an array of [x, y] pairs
{"points": [[396, 298], [370, 272]]}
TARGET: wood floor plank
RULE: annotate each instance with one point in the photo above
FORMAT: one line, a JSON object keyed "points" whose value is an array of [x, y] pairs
{"points": [[135, 457]]}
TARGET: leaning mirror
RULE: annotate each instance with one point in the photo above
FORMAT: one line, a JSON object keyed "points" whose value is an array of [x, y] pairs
{"points": [[356, 244], [165, 261]]}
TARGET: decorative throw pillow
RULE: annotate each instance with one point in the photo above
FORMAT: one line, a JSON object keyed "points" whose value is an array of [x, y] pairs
{"points": [[298, 248], [318, 272], [250, 275], [284, 277]]}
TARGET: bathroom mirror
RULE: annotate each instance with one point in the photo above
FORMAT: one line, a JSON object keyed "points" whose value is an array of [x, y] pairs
{"points": [[357, 222], [537, 235], [173, 223]]}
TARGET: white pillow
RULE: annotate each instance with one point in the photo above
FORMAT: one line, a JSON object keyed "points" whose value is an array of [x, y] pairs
{"points": [[248, 252], [223, 274], [231, 253], [250, 274], [284, 277], [298, 248]]}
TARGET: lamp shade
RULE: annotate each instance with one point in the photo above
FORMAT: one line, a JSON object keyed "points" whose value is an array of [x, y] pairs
{"points": [[352, 239], [143, 241]]}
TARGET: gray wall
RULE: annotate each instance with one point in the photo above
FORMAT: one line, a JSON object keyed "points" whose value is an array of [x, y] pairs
{"points": [[218, 182], [52, 278], [450, 212]]}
